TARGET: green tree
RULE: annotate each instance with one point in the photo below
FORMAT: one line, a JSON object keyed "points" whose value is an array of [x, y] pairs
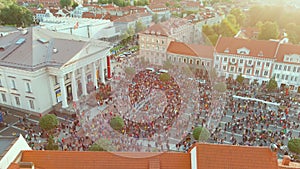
{"points": [[164, 77], [269, 30], [51, 145], [127, 36], [65, 3], [240, 79], [294, 145], [239, 15], [117, 123], [272, 84], [48, 122], [155, 18], [139, 26], [16, 15], [220, 87], [201, 134], [74, 4], [102, 145], [227, 28]]}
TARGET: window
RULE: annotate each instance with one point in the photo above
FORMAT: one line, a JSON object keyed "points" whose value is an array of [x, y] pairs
{"points": [[162, 42], [267, 64], [294, 70], [292, 78], [248, 71], [28, 88], [256, 72], [17, 99], [286, 77], [295, 79], [280, 67], [3, 97], [184, 60], [1, 83], [56, 80], [240, 70], [241, 61], [67, 76], [13, 84], [191, 61], [225, 59], [276, 67], [258, 63], [282, 77], [278, 76], [217, 58], [284, 68], [198, 62], [298, 69], [224, 67], [266, 73], [289, 68], [231, 69], [31, 104]]}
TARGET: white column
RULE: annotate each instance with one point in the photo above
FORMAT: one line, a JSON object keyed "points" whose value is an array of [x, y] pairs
{"points": [[101, 70], [74, 87], [95, 75], [63, 91], [83, 81], [53, 94]]}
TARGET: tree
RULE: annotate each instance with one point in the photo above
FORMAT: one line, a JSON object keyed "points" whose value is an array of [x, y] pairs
{"points": [[102, 145], [48, 122], [168, 64], [220, 87], [294, 145], [163, 19], [272, 84], [269, 30], [155, 18], [164, 77], [117, 123], [65, 3], [74, 4], [139, 26], [240, 79], [51, 145], [201, 133], [16, 15], [239, 15]]}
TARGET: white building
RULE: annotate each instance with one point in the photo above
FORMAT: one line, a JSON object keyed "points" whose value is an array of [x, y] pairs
{"points": [[84, 27], [286, 69], [41, 68], [258, 60]]}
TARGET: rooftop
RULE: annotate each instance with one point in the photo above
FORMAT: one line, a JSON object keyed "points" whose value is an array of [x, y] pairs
{"points": [[5, 143]]}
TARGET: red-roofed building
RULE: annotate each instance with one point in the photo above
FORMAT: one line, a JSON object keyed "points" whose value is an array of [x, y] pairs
{"points": [[201, 156], [259, 60], [193, 54]]}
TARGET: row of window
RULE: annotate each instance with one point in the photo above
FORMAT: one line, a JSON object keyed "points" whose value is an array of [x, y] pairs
{"points": [[286, 77], [153, 40], [14, 86], [241, 61], [190, 61], [232, 69], [287, 68], [17, 101]]}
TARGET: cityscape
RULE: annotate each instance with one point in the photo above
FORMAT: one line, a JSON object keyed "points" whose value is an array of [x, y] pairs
{"points": [[149, 84]]}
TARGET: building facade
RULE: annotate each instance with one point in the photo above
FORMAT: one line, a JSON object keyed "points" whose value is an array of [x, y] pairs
{"points": [[43, 68], [258, 61]]}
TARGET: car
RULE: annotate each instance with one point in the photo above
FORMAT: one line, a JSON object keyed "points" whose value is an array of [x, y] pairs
{"points": [[127, 53]]}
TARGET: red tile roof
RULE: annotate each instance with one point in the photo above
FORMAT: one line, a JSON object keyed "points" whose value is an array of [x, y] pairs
{"points": [[91, 15], [287, 49], [13, 166], [156, 29], [267, 48], [216, 156], [106, 160], [191, 49]]}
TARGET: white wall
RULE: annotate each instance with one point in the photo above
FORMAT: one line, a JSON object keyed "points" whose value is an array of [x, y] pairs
{"points": [[13, 152]]}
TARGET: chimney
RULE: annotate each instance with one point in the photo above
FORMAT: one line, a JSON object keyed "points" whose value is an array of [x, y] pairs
{"points": [[26, 165]]}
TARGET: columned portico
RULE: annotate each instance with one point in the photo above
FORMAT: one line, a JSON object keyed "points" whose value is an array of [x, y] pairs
{"points": [[74, 87], [63, 91], [95, 76], [101, 71], [53, 96], [83, 81]]}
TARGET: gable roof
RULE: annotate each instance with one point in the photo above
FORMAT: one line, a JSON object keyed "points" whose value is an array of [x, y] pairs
{"points": [[106, 160], [256, 47], [287, 49], [156, 29], [217, 156], [190, 49]]}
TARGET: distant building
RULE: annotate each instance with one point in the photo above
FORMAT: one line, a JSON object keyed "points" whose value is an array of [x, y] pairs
{"points": [[161, 10], [40, 69]]}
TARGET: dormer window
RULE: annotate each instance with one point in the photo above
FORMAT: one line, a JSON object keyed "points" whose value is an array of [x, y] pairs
{"points": [[260, 53], [243, 51], [226, 50]]}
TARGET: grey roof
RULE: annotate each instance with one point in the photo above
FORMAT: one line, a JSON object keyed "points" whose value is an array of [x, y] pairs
{"points": [[5, 143], [39, 47]]}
